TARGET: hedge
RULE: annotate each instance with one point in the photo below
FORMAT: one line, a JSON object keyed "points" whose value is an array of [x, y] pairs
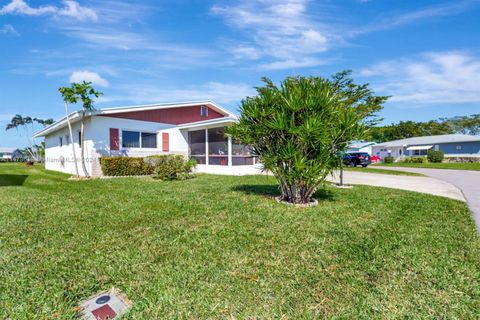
{"points": [[388, 159], [125, 166], [419, 159]]}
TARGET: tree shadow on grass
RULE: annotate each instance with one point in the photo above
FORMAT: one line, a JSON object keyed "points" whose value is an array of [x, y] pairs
{"points": [[271, 191], [9, 180]]}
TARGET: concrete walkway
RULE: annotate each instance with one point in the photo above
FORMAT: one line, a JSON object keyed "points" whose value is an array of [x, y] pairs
{"points": [[467, 181], [410, 183]]}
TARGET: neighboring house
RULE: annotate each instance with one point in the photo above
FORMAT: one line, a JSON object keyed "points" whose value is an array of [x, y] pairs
{"points": [[10, 154], [195, 130], [361, 146], [453, 145]]}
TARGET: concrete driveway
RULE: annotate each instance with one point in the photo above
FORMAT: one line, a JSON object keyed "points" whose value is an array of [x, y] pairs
{"points": [[410, 183], [465, 180]]}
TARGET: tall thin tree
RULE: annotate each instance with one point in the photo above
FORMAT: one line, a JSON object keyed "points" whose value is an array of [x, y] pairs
{"points": [[69, 97], [84, 93]]}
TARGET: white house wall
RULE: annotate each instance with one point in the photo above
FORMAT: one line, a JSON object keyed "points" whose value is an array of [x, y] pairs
{"points": [[97, 143], [60, 158]]}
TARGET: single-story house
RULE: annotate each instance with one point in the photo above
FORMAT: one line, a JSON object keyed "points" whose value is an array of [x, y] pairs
{"points": [[361, 146], [195, 130], [453, 145], [10, 154]]}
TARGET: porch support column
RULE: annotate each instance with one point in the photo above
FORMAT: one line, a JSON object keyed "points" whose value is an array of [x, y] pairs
{"points": [[206, 147], [230, 150]]}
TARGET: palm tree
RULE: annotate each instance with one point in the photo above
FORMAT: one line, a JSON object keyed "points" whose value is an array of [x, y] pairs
{"points": [[27, 123], [69, 96], [84, 93]]}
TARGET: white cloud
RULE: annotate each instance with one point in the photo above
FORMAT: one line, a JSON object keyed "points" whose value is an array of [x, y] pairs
{"points": [[8, 28], [75, 10], [70, 9], [245, 52], [20, 7], [441, 10], [226, 93], [93, 77], [278, 30], [429, 78], [292, 63]]}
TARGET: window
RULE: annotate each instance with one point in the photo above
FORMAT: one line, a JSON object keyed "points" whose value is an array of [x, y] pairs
{"points": [[149, 140], [79, 139], [203, 111], [67, 139], [136, 139], [130, 139], [459, 147], [61, 141], [197, 145]]}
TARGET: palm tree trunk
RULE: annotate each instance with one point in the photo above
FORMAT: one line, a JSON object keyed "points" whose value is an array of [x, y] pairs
{"points": [[82, 147], [71, 138]]}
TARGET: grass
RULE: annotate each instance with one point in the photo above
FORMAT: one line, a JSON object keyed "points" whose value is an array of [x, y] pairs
{"points": [[475, 166], [220, 247], [383, 171]]}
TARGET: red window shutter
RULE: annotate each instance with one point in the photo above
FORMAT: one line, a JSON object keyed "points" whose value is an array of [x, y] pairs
{"points": [[114, 139], [165, 142]]}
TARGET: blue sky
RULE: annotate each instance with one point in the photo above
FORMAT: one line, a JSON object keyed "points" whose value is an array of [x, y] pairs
{"points": [[425, 54]]}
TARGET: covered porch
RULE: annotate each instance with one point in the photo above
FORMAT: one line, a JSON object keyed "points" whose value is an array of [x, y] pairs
{"points": [[218, 153]]}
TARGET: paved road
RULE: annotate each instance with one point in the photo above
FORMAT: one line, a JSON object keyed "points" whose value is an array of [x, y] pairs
{"points": [[467, 181]]}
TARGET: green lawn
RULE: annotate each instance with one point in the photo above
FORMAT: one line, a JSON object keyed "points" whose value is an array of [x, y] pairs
{"points": [[219, 247], [383, 171], [457, 166]]}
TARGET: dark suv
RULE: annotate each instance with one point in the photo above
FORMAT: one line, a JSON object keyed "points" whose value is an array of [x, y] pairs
{"points": [[357, 159]]}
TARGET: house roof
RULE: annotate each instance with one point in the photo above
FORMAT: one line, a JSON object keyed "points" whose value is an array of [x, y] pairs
{"points": [[209, 122], [76, 116], [430, 140], [8, 150]]}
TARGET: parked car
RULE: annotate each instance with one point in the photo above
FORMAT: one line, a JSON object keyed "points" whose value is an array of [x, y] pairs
{"points": [[354, 159], [375, 159]]}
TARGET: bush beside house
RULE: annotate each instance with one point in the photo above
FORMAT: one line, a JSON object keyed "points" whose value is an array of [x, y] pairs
{"points": [[435, 156], [163, 167], [171, 167], [125, 166], [388, 159], [415, 160]]}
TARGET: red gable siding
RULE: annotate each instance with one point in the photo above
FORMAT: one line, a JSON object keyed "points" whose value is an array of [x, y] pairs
{"points": [[170, 115]]}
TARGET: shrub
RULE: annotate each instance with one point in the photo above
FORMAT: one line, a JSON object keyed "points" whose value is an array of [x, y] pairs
{"points": [[298, 129], [388, 159], [435, 155], [171, 167], [125, 166]]}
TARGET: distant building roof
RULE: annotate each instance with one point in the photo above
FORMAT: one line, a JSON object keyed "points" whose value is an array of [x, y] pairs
{"points": [[8, 150], [446, 138], [360, 144]]}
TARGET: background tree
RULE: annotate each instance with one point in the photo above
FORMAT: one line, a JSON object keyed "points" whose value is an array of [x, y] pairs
{"points": [[84, 94], [28, 125], [300, 129], [407, 129], [464, 124]]}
